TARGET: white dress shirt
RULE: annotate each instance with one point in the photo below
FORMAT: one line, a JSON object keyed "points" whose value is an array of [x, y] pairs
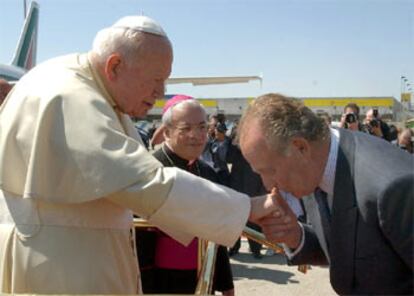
{"points": [[327, 184]]}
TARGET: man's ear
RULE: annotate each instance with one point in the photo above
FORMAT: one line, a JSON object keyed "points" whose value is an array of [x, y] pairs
{"points": [[302, 146], [166, 133], [113, 66]]}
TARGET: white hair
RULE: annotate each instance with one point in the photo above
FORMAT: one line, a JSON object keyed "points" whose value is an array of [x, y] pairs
{"points": [[126, 37], [167, 116]]}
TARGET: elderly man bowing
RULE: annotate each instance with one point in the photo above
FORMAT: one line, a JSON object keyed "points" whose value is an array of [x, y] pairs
{"points": [[72, 170], [361, 224]]}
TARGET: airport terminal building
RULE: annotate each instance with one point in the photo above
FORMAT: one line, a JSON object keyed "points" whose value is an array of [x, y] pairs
{"points": [[388, 107]]}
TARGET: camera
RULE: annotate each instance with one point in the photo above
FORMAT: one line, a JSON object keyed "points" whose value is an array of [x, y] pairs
{"points": [[350, 118], [374, 123], [368, 127]]}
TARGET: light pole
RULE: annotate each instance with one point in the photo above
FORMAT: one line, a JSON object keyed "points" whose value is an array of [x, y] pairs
{"points": [[403, 81], [410, 94], [406, 92]]}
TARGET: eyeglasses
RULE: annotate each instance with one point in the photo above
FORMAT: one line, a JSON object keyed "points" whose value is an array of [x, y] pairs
{"points": [[184, 129]]}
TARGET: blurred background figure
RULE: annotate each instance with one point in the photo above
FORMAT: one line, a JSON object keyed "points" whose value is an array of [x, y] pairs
{"points": [[393, 132], [144, 136], [233, 130], [212, 122], [405, 140], [219, 148], [152, 130], [375, 126], [326, 117], [350, 118], [243, 179], [216, 149], [5, 88]]}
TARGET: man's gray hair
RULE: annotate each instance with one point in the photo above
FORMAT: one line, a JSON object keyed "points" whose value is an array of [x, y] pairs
{"points": [[281, 119], [167, 116], [126, 37]]}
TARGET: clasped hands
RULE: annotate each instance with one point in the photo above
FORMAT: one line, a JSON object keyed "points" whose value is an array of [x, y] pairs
{"points": [[279, 223]]}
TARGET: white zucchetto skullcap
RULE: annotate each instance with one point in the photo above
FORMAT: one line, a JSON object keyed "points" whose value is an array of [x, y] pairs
{"points": [[140, 23]]}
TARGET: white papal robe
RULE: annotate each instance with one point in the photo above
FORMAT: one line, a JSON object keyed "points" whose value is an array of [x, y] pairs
{"points": [[72, 172]]}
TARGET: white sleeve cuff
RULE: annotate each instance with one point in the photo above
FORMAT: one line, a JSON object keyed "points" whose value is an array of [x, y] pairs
{"points": [[288, 251]]}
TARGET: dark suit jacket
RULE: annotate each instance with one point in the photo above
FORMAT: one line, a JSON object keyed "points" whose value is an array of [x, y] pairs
{"points": [[242, 176], [371, 240]]}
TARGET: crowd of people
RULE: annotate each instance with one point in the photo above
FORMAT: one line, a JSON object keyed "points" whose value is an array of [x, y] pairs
{"points": [[375, 126], [74, 171]]}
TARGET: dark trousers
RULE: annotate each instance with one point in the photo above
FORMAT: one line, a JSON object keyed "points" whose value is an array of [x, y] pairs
{"points": [[254, 246], [173, 281]]}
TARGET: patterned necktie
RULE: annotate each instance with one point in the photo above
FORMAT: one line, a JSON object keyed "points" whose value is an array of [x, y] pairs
{"points": [[322, 200]]}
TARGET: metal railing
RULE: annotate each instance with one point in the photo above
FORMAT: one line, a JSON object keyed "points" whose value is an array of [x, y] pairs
{"points": [[207, 253]]}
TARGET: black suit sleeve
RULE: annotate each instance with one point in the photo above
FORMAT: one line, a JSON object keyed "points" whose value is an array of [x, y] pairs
{"points": [[233, 152], [396, 217]]}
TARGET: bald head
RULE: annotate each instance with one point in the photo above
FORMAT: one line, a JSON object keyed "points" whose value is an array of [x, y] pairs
{"points": [[183, 110], [186, 129]]}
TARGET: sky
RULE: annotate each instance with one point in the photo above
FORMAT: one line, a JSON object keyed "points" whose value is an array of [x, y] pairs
{"points": [[302, 48]]}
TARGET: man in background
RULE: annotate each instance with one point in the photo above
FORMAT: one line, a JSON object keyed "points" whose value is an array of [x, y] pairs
{"points": [[326, 117], [176, 265], [245, 180], [219, 148], [350, 118], [405, 140], [377, 127]]}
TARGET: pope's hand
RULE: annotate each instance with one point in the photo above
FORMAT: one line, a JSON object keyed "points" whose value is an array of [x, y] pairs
{"points": [[262, 206], [282, 225]]}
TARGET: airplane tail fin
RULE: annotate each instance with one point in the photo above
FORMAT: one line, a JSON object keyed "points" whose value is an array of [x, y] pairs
{"points": [[25, 54]]}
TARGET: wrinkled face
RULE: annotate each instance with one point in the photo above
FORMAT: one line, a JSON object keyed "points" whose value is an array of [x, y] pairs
{"points": [[135, 85], [187, 135], [291, 173]]}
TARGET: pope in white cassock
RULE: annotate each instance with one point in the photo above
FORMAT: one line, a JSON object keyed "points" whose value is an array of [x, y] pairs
{"points": [[73, 170]]}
